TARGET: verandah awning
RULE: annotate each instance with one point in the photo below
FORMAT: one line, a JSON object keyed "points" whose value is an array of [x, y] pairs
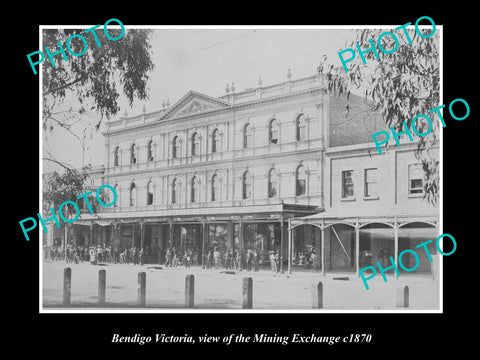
{"points": [[366, 217]]}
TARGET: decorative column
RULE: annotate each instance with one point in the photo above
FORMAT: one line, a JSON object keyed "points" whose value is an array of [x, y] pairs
{"points": [[141, 223], [112, 237], [90, 234], [230, 235], [204, 240], [132, 239], [116, 234], [170, 233]]}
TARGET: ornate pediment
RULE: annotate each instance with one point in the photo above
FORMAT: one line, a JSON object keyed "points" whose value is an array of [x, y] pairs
{"points": [[194, 103]]}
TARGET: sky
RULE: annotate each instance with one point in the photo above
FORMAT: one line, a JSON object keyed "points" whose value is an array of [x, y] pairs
{"points": [[205, 60]]}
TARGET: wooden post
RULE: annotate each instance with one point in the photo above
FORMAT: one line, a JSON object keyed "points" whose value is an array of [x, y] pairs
{"points": [[317, 296], [189, 291], [142, 279], [289, 247], [282, 241], [403, 297], [102, 281], [247, 292], [67, 285]]}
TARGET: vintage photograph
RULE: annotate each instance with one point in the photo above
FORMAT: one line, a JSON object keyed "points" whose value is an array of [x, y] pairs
{"points": [[235, 169]]}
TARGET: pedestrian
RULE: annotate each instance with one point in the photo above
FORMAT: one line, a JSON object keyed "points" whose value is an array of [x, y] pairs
{"points": [[313, 260], [271, 256], [238, 260], [195, 257], [99, 254], [190, 257], [141, 256], [277, 261], [248, 260], [210, 259], [226, 260], [216, 257], [186, 259], [256, 262], [168, 258], [174, 258]]}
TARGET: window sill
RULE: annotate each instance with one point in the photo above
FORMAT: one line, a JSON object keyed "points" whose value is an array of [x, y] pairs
{"points": [[352, 198], [413, 196], [367, 198]]}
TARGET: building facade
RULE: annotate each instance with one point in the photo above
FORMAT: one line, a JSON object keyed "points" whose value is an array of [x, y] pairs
{"points": [[248, 169]]}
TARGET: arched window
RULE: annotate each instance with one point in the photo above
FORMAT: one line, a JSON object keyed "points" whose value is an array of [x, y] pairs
{"points": [[116, 156], [216, 140], [150, 151], [273, 132], [247, 136], [133, 195], [176, 147], [272, 183], [195, 144], [175, 191], [195, 190], [150, 193], [301, 126], [133, 154], [247, 185], [301, 181], [215, 188], [118, 196]]}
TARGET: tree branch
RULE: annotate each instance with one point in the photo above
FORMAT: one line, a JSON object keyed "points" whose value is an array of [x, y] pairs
{"points": [[69, 169], [64, 86]]}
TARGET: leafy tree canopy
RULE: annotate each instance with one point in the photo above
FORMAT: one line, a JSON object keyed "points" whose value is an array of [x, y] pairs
{"points": [[95, 76], [85, 89]]}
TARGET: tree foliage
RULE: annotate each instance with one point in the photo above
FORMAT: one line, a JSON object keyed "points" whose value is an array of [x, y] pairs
{"points": [[58, 188], [400, 86], [85, 89], [94, 78]]}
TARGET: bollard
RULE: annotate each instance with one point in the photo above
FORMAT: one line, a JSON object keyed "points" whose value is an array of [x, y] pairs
{"points": [[67, 285], [189, 290], [317, 296], [142, 279], [247, 291], [102, 282], [403, 295]]}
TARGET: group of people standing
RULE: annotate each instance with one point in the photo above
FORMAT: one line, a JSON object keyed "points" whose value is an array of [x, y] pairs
{"points": [[233, 259], [229, 259], [104, 254]]}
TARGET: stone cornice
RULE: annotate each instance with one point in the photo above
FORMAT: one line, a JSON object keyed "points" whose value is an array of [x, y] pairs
{"points": [[234, 107]]}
